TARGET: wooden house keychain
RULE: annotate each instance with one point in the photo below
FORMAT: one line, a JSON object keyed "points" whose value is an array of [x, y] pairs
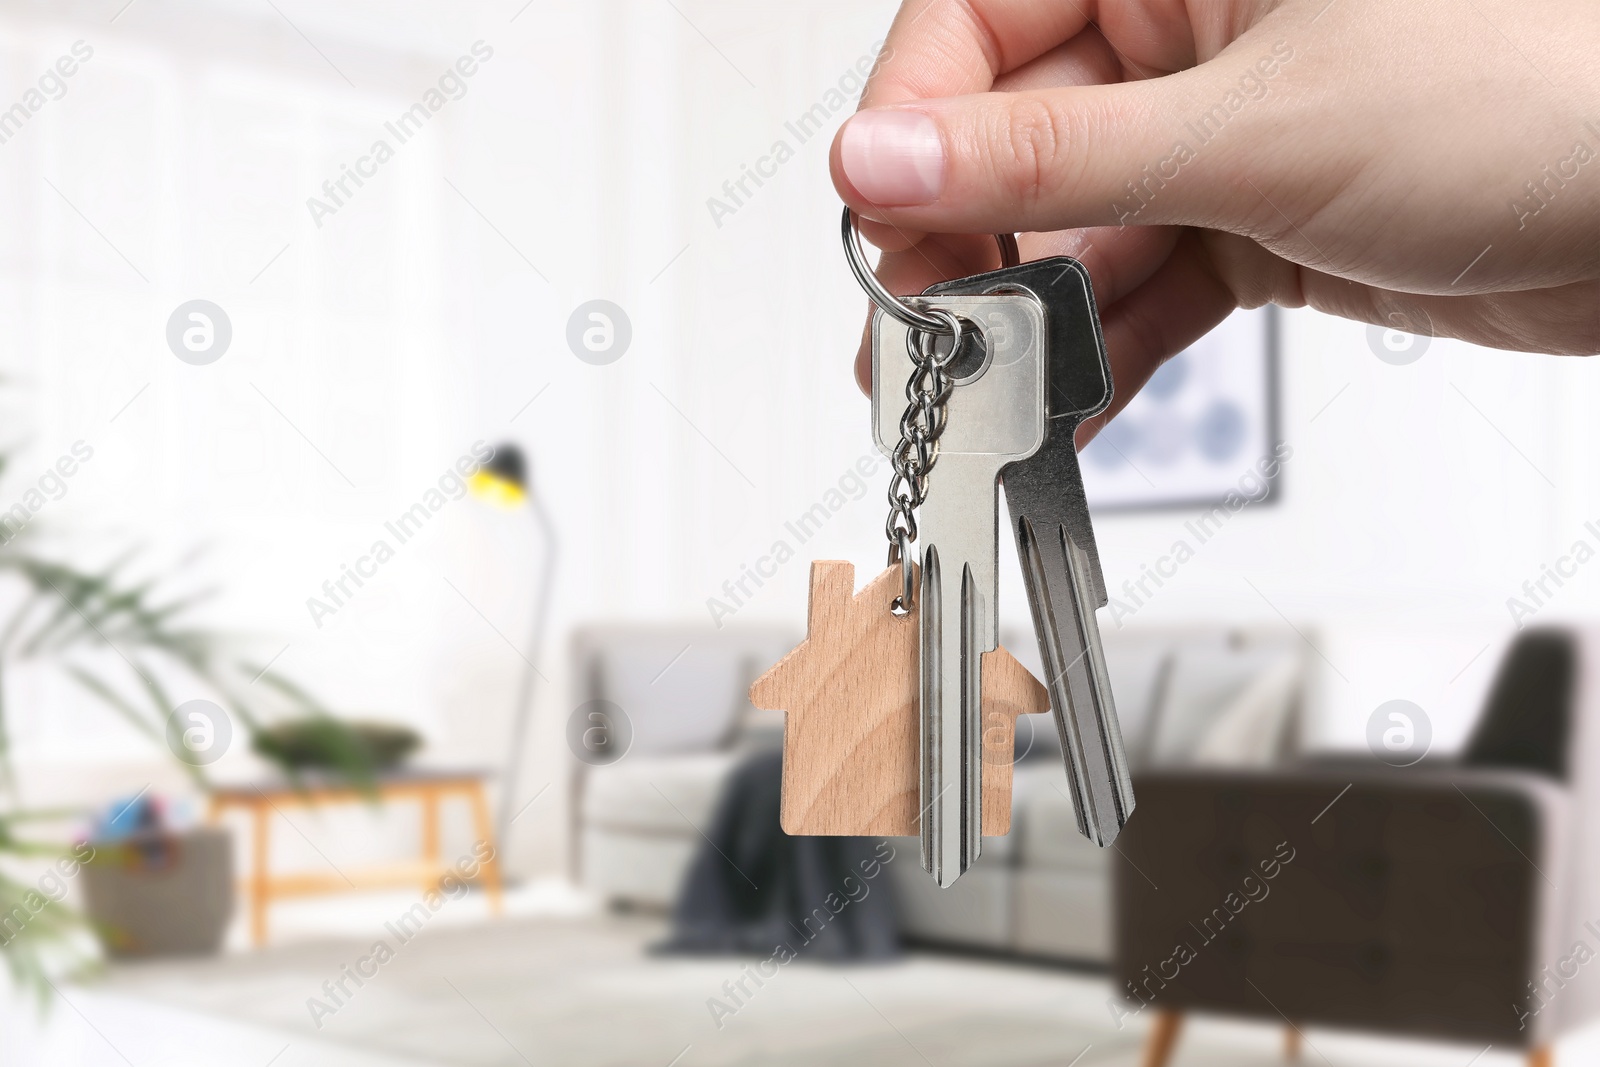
{"points": [[900, 705]]}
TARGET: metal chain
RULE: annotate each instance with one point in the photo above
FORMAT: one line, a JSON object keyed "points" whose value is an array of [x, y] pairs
{"points": [[927, 394]]}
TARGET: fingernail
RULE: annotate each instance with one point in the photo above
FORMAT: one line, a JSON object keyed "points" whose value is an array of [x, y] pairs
{"points": [[893, 158]]}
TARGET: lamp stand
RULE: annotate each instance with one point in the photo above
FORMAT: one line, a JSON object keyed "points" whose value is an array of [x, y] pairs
{"points": [[523, 710]]}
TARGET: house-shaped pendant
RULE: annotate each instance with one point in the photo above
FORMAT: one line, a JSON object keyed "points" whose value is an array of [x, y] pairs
{"points": [[849, 691]]}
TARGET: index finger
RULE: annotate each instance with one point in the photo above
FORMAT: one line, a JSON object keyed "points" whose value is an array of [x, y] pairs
{"points": [[937, 48]]}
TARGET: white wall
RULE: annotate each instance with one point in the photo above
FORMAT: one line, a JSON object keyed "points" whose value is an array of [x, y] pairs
{"points": [[429, 314]]}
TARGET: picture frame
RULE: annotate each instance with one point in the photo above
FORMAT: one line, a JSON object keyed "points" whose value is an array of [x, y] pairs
{"points": [[1203, 428]]}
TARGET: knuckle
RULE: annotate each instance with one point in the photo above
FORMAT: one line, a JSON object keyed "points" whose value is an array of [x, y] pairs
{"points": [[1032, 147], [1589, 321], [1586, 332]]}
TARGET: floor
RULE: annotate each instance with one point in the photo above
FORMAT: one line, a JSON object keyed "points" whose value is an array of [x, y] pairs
{"points": [[557, 983]]}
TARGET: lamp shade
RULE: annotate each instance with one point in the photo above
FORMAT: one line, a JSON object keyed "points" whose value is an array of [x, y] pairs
{"points": [[503, 480]]}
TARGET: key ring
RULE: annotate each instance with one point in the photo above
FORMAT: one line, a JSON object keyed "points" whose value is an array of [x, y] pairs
{"points": [[893, 305]]}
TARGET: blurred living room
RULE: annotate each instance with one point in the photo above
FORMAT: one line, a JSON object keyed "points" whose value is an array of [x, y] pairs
{"points": [[421, 421]]}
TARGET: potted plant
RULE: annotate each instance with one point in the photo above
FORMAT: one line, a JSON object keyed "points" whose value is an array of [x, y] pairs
{"points": [[63, 614]]}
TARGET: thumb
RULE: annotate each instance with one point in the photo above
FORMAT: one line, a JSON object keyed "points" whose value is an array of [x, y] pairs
{"points": [[1144, 152]]}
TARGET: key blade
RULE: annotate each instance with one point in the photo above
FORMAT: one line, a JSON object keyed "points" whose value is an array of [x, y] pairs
{"points": [[1055, 539], [995, 414], [1058, 574], [951, 772], [969, 682], [930, 713], [959, 524], [1061, 571]]}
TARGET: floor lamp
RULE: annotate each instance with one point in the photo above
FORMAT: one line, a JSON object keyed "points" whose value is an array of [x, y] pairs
{"points": [[506, 482]]}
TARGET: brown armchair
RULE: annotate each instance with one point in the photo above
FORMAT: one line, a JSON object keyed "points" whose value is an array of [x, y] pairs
{"points": [[1456, 899]]}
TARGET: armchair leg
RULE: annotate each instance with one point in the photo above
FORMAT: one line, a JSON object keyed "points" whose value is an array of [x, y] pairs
{"points": [[1542, 1057], [1291, 1044], [1164, 1038]]}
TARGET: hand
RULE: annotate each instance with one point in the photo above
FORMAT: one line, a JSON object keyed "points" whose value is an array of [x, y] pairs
{"points": [[1432, 165]]}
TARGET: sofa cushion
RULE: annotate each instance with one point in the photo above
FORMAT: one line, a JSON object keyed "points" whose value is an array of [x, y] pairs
{"points": [[663, 794], [1250, 731], [1137, 668], [1136, 664], [1046, 825], [634, 868], [976, 911], [998, 849], [679, 695], [1221, 697]]}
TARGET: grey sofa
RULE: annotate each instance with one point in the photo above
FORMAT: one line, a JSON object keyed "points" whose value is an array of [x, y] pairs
{"points": [[683, 690], [1187, 697]]}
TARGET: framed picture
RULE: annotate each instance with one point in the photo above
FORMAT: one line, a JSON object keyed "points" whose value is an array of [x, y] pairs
{"points": [[1204, 427]]}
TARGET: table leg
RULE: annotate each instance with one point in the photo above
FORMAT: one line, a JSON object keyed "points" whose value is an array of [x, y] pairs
{"points": [[1163, 1038], [485, 832], [430, 838], [259, 875]]}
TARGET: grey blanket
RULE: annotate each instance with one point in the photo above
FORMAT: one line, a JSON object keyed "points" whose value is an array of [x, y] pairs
{"points": [[754, 889]]}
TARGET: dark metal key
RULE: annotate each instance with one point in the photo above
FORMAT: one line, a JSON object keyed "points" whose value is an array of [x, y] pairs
{"points": [[1055, 540]]}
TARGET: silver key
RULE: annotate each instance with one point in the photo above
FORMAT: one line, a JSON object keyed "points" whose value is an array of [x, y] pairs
{"points": [[1055, 540], [995, 416]]}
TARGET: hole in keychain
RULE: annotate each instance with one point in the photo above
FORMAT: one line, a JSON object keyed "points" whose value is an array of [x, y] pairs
{"points": [[972, 358]]}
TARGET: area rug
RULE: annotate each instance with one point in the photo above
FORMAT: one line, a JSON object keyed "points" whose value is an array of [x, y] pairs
{"points": [[586, 991]]}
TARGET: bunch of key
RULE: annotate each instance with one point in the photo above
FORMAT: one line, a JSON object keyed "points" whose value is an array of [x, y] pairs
{"points": [[1026, 366]]}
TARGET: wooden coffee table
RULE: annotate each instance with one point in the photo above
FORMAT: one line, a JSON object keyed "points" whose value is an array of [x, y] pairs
{"points": [[429, 788]]}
